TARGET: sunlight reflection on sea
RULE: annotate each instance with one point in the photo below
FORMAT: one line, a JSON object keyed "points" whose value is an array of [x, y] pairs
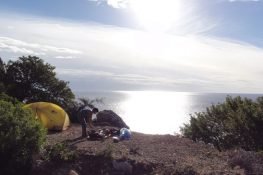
{"points": [[157, 112]]}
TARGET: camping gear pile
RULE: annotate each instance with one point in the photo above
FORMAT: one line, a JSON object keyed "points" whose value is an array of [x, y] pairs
{"points": [[125, 134], [101, 134], [109, 118], [116, 134]]}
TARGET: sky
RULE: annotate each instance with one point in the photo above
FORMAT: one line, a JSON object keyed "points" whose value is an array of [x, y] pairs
{"points": [[172, 45]]}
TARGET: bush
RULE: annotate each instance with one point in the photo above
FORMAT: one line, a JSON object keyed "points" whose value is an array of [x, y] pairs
{"points": [[7, 98], [236, 123], [251, 162], [59, 152], [20, 136], [107, 153]]}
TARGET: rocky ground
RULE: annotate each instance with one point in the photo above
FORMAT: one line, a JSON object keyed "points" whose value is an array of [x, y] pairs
{"points": [[143, 154]]}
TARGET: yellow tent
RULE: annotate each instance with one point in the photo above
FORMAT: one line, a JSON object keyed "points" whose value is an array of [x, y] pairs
{"points": [[50, 115]]}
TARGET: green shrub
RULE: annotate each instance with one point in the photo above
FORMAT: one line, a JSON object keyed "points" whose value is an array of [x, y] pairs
{"points": [[7, 98], [107, 153], [59, 152], [20, 137], [251, 162], [235, 123]]}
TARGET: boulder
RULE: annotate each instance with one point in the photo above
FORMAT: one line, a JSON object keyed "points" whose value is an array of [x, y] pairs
{"points": [[110, 118], [124, 167], [72, 172]]}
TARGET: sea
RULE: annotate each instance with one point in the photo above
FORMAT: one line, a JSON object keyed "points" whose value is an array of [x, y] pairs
{"points": [[157, 112]]}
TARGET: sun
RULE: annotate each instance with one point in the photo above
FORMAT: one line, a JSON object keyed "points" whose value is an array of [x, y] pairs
{"points": [[156, 15]]}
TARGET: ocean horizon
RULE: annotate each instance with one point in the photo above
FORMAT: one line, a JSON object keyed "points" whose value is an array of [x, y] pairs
{"points": [[157, 112]]}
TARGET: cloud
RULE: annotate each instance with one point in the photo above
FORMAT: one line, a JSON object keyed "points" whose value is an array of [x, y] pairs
{"points": [[15, 49], [113, 3], [118, 3], [244, 0], [18, 46], [126, 78], [125, 3], [61, 50], [83, 72], [65, 57], [108, 57], [10, 27]]}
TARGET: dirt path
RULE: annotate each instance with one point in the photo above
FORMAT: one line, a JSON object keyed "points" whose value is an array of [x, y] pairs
{"points": [[144, 154]]}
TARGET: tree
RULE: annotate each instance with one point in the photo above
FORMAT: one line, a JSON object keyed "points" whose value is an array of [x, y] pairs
{"points": [[235, 123], [21, 136], [29, 79], [2, 75]]}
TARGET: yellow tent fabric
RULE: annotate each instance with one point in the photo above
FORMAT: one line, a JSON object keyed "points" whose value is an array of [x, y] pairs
{"points": [[52, 116]]}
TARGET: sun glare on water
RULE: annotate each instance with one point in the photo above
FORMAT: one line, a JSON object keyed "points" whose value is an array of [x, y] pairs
{"points": [[157, 15], [155, 112]]}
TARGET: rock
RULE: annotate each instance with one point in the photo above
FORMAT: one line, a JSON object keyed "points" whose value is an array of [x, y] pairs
{"points": [[124, 167], [72, 172], [110, 118], [116, 139]]}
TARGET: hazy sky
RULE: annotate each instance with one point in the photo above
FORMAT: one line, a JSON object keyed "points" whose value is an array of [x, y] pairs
{"points": [[180, 45]]}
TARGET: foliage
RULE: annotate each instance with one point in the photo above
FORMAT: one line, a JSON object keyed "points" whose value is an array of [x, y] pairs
{"points": [[251, 162], [59, 152], [235, 123], [7, 98], [89, 102], [2, 76], [29, 79], [107, 153], [20, 136]]}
